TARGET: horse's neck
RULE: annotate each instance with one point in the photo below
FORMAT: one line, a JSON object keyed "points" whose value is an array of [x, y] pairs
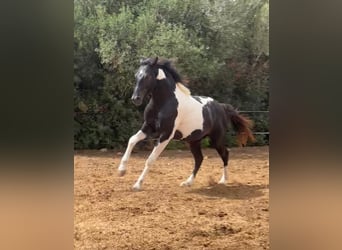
{"points": [[163, 92]]}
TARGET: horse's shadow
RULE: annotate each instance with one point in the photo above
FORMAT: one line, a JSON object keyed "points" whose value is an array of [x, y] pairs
{"points": [[235, 191]]}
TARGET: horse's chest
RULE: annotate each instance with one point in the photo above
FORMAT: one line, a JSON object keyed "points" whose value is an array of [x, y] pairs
{"points": [[162, 117]]}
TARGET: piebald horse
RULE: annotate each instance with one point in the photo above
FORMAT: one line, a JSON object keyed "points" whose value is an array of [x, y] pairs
{"points": [[173, 113]]}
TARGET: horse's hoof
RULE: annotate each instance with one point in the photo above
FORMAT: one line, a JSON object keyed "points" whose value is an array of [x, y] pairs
{"points": [[137, 187], [185, 184], [122, 172], [222, 181]]}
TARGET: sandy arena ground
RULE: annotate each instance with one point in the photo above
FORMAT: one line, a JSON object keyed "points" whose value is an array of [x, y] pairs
{"points": [[109, 215]]}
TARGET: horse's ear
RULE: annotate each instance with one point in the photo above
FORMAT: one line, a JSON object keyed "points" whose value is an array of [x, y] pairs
{"points": [[155, 61]]}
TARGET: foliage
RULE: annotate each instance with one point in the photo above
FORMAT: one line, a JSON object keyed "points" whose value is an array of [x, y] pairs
{"points": [[220, 48]]}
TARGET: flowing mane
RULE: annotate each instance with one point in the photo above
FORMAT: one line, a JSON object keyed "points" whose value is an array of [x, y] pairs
{"points": [[167, 66]]}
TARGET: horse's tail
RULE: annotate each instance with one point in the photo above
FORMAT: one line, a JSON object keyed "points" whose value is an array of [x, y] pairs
{"points": [[241, 124]]}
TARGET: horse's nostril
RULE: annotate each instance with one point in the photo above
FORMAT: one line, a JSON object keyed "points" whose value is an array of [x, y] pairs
{"points": [[136, 100]]}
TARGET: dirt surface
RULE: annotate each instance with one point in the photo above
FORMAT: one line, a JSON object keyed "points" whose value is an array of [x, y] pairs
{"points": [[109, 215]]}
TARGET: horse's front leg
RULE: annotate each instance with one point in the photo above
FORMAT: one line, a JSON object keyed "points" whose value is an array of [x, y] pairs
{"points": [[140, 135], [151, 159]]}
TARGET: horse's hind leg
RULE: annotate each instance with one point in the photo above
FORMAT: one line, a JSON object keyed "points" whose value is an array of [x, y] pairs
{"points": [[197, 153], [224, 153], [217, 141], [140, 135]]}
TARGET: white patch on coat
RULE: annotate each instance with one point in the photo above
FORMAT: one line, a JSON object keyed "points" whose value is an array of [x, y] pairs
{"points": [[161, 75], [190, 115], [205, 99]]}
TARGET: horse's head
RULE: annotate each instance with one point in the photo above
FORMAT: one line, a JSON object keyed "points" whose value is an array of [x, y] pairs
{"points": [[146, 79]]}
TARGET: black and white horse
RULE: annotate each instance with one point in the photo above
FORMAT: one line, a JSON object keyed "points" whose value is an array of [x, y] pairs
{"points": [[173, 113]]}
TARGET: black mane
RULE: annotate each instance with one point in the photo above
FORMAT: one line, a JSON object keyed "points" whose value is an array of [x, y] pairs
{"points": [[166, 65]]}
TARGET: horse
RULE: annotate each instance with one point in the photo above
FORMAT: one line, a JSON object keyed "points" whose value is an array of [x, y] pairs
{"points": [[173, 113]]}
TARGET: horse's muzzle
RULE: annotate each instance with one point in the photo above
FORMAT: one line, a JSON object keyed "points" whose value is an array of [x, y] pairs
{"points": [[137, 100]]}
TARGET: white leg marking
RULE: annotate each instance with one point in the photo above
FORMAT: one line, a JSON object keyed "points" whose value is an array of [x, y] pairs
{"points": [[131, 143], [224, 177], [150, 160], [188, 181]]}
